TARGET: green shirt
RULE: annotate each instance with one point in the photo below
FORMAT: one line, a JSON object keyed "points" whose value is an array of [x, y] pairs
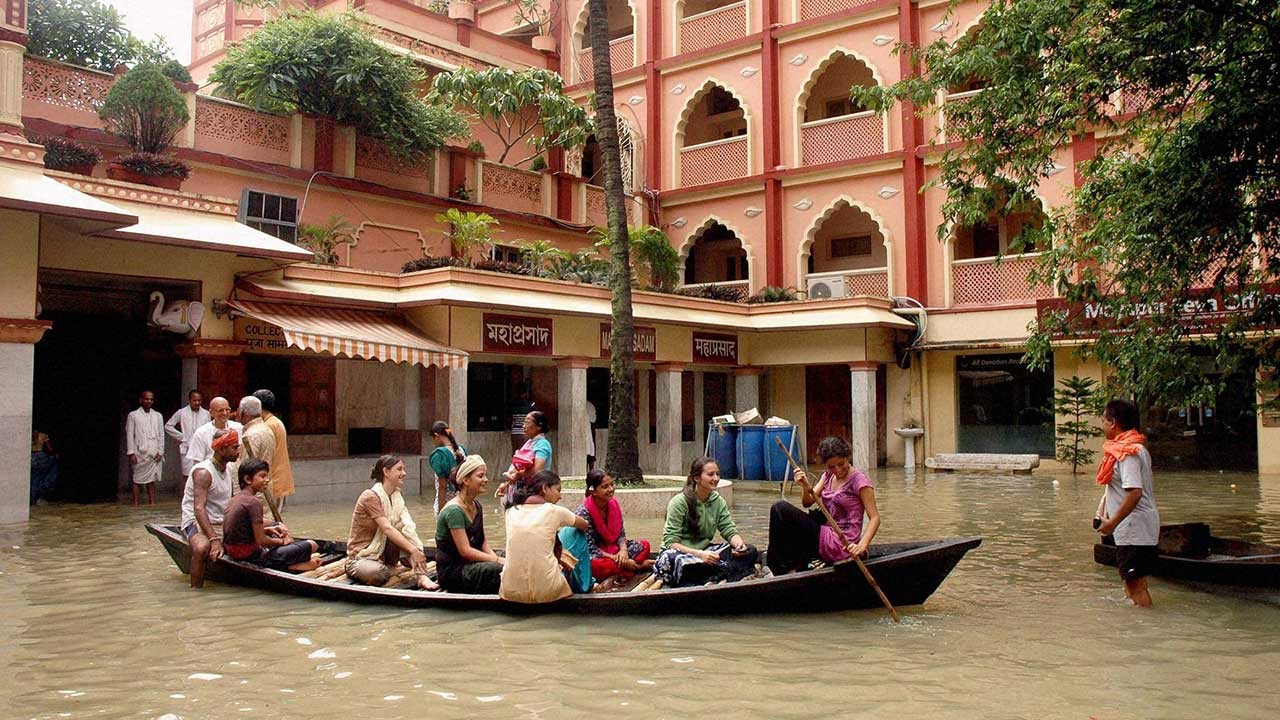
{"points": [[442, 460], [713, 515]]}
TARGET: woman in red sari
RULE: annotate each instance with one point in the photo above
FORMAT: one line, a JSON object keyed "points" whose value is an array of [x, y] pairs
{"points": [[613, 555]]}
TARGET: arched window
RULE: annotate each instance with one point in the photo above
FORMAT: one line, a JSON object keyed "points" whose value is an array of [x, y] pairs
{"points": [[847, 239], [833, 126], [701, 24], [829, 94], [621, 40], [587, 160], [716, 115], [712, 137], [716, 255], [994, 236]]}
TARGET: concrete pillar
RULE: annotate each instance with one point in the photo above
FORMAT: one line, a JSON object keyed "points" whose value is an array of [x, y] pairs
{"points": [[746, 388], [191, 380], [412, 396], [862, 381], [668, 460], [642, 422], [11, 87], [18, 361], [699, 417], [571, 449], [457, 419]]}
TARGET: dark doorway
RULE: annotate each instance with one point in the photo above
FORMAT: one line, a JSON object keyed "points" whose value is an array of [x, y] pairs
{"points": [[269, 372], [1222, 435], [828, 390]]}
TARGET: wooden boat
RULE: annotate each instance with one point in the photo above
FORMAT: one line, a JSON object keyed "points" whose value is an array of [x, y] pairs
{"points": [[1190, 554], [907, 572]]}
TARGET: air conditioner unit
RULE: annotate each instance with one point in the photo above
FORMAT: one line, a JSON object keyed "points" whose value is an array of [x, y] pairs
{"points": [[827, 287]]}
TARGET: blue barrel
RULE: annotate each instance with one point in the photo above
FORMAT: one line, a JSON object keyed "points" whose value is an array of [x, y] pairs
{"points": [[775, 461], [722, 445], [751, 452]]}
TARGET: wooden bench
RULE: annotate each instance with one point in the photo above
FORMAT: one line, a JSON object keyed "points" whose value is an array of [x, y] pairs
{"points": [[983, 462]]}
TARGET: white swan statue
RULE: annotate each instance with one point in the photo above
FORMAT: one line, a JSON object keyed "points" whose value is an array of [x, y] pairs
{"points": [[180, 316]]}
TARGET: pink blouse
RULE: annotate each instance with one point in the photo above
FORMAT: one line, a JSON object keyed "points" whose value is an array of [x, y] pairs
{"points": [[845, 505]]}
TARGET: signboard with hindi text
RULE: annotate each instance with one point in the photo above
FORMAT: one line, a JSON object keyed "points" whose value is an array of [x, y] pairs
{"points": [[260, 336], [715, 348], [645, 342], [516, 334], [1200, 310]]}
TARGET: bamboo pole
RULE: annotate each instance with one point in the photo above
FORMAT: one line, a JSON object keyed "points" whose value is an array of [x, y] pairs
{"points": [[843, 540]]}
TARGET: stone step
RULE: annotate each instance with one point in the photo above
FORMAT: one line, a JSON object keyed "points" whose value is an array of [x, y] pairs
{"points": [[1007, 462]]}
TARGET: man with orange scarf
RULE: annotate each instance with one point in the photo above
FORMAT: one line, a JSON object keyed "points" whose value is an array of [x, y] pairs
{"points": [[1130, 513]]}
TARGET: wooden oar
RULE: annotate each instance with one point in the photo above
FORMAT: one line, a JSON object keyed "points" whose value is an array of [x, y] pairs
{"points": [[843, 540]]}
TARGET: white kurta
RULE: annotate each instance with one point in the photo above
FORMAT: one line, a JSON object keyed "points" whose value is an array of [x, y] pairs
{"points": [[201, 447], [182, 427], [144, 438]]}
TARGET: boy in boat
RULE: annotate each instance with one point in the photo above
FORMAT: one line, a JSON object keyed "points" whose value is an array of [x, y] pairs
{"points": [[1131, 515], [246, 537]]}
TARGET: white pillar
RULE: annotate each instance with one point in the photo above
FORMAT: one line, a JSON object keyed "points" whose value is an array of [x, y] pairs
{"points": [[16, 387], [669, 458], [458, 402], [571, 450], [412, 397], [11, 54], [862, 381], [746, 388]]}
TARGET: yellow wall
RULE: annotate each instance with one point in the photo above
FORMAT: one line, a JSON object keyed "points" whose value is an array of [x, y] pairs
{"points": [[18, 272], [940, 401], [786, 396], [214, 270], [1268, 447]]}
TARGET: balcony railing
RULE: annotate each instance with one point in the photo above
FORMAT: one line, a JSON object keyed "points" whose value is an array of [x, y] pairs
{"points": [[713, 27], [72, 94], [622, 56], [983, 281], [714, 161], [950, 103], [870, 281], [842, 138], [740, 290], [511, 188], [810, 9]]}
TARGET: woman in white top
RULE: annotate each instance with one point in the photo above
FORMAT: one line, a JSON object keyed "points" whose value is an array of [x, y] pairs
{"points": [[533, 572]]}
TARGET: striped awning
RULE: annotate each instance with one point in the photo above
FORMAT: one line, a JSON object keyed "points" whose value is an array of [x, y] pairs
{"points": [[365, 334]]}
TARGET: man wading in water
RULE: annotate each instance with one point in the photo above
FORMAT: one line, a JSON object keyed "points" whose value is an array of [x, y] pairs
{"points": [[1130, 504]]}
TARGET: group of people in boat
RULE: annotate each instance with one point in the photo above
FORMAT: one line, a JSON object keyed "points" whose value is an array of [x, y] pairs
{"points": [[550, 550]]}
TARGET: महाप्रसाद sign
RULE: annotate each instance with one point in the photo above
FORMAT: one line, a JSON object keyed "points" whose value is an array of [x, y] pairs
{"points": [[1197, 310], [644, 344], [715, 348], [516, 334]]}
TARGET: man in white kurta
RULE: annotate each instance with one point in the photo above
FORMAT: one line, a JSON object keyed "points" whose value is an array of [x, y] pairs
{"points": [[183, 425], [144, 444], [201, 446]]}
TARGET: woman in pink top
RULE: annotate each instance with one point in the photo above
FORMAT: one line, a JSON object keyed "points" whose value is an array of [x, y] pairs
{"points": [[797, 538]]}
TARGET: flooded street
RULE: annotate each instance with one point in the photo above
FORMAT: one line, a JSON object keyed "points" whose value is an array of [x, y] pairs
{"points": [[97, 622]]}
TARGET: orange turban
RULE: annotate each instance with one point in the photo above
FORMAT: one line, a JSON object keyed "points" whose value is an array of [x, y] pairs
{"points": [[230, 438]]}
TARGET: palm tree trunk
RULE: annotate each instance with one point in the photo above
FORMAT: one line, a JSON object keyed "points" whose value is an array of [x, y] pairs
{"points": [[623, 457]]}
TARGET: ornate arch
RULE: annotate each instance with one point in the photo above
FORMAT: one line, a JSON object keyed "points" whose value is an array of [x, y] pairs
{"points": [[574, 157], [810, 233], [579, 31], [677, 136], [807, 89], [692, 238]]}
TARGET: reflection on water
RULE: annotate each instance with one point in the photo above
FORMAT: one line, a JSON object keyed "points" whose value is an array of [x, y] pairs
{"points": [[98, 623]]}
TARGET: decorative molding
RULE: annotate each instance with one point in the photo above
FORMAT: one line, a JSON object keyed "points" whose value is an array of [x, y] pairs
{"points": [[1053, 169], [799, 60], [881, 40], [12, 148], [144, 194], [679, 222], [635, 99], [942, 26], [752, 212], [804, 204], [678, 89], [748, 71], [22, 331], [887, 192]]}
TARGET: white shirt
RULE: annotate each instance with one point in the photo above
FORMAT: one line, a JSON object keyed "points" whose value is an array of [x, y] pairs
{"points": [[591, 435], [201, 446], [183, 425], [144, 434], [220, 491], [1142, 526]]}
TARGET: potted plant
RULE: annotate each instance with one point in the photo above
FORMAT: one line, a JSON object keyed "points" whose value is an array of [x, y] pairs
{"points": [[464, 10], [532, 12], [69, 156], [145, 110]]}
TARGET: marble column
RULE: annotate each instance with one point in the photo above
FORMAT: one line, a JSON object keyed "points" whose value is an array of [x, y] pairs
{"points": [[746, 388], [17, 357], [571, 435], [457, 417], [862, 382], [412, 409], [668, 460]]}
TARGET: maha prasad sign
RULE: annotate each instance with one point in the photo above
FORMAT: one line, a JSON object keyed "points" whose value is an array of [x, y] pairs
{"points": [[516, 334], [715, 348], [644, 344]]}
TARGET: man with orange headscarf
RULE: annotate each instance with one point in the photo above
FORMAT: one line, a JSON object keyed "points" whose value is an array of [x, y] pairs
{"points": [[1130, 513]]}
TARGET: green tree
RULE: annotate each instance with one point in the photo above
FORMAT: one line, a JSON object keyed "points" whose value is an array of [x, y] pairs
{"points": [[623, 457], [526, 107], [655, 263], [1077, 400], [1184, 191], [325, 239], [330, 65], [144, 109], [542, 256], [89, 33], [468, 231]]}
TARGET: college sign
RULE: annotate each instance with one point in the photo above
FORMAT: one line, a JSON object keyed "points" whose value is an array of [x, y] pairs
{"points": [[644, 344], [1198, 310], [260, 336], [715, 348], [515, 334]]}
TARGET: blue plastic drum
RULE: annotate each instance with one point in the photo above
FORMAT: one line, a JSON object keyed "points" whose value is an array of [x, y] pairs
{"points": [[751, 452], [776, 463], [722, 445]]}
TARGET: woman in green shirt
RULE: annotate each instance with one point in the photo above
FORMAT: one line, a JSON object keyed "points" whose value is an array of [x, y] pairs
{"points": [[464, 561], [693, 518], [447, 456]]}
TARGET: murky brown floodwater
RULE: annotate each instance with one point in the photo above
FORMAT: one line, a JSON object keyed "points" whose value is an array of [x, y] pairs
{"points": [[97, 622]]}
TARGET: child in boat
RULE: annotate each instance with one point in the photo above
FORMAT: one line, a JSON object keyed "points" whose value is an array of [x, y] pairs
{"points": [[245, 537], [534, 529], [797, 538], [1132, 517], [383, 535], [447, 455], [464, 561], [693, 519], [613, 555]]}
